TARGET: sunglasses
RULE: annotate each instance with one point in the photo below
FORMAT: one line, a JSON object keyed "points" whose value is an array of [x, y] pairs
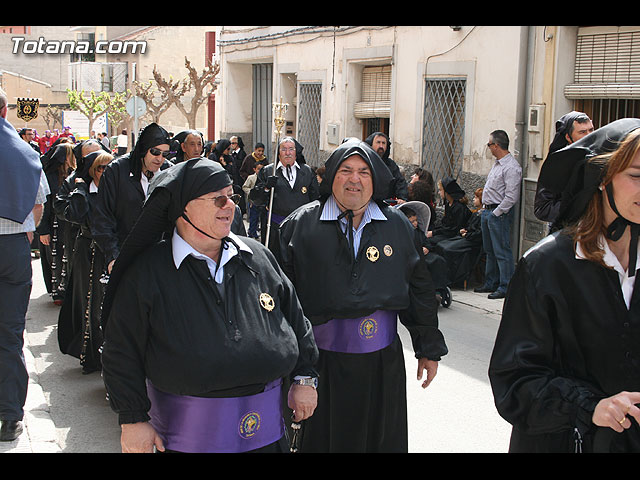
{"points": [[155, 152], [221, 200]]}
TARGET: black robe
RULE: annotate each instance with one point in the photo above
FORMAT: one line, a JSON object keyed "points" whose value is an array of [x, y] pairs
{"points": [[456, 216], [361, 397], [461, 253], [171, 326], [79, 328], [566, 341]]}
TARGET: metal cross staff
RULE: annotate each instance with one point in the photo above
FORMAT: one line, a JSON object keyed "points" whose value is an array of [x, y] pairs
{"points": [[279, 109]]}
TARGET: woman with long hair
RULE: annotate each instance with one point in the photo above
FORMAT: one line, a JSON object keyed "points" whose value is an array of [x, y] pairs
{"points": [[565, 368]]}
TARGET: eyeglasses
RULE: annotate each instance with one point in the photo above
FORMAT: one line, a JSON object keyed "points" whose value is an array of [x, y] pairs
{"points": [[221, 200], [155, 152], [100, 168], [490, 143]]}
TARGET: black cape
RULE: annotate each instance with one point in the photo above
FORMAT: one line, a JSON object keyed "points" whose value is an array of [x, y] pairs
{"points": [[566, 341]]}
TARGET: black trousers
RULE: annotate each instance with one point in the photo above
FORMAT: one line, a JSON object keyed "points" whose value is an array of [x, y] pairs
{"points": [[15, 289]]}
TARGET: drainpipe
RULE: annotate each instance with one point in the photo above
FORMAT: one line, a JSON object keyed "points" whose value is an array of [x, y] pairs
{"points": [[521, 141]]}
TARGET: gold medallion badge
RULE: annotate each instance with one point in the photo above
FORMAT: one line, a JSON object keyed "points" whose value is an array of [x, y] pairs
{"points": [[267, 302], [373, 254], [388, 251], [304, 189]]}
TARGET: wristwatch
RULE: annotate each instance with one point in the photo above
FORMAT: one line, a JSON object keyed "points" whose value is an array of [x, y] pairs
{"points": [[307, 381]]}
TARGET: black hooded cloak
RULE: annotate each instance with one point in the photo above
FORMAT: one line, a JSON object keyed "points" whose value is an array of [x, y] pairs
{"points": [[79, 327], [399, 188], [333, 284], [456, 216], [567, 338], [546, 204], [120, 196], [173, 326]]}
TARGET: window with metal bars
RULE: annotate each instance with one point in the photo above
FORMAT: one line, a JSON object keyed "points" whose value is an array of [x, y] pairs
{"points": [[309, 114], [443, 127]]}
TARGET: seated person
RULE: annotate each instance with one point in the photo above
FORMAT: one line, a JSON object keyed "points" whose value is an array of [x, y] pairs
{"points": [[456, 212], [461, 252], [419, 215]]}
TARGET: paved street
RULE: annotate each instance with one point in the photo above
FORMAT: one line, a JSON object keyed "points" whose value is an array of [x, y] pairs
{"points": [[67, 411]]}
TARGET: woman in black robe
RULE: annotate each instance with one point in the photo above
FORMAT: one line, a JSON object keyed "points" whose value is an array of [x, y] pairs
{"points": [[79, 329], [58, 163], [565, 368], [462, 251], [456, 212]]}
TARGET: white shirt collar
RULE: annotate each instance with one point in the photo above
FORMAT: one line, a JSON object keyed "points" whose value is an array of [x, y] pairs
{"points": [[627, 283], [280, 165], [181, 249], [93, 188]]}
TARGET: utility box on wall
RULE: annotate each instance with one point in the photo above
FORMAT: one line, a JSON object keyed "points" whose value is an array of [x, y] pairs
{"points": [[536, 131], [333, 133]]}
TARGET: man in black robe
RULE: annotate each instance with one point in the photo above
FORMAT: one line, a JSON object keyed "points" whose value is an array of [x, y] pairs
{"points": [[570, 128], [123, 189], [399, 188], [203, 328], [294, 184], [357, 266]]}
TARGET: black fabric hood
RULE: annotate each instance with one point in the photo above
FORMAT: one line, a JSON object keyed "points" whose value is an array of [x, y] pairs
{"points": [[151, 136], [369, 141], [382, 177], [169, 192]]}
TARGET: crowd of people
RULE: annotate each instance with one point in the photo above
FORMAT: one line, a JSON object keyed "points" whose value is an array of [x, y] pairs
{"points": [[210, 336]]}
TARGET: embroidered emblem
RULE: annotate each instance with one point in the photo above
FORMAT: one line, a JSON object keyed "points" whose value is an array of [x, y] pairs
{"points": [[373, 254], [368, 328], [267, 302], [388, 251], [249, 425], [304, 189]]}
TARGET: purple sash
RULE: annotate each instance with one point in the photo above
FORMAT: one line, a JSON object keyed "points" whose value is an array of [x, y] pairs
{"points": [[277, 219], [357, 335], [217, 425]]}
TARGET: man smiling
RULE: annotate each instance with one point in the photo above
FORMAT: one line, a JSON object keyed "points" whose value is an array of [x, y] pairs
{"points": [[203, 328], [357, 269]]}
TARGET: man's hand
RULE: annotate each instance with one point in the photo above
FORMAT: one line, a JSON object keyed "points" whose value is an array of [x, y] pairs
{"points": [[430, 366], [302, 400], [139, 438]]}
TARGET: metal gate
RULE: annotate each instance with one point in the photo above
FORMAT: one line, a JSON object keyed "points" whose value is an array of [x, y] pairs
{"points": [[262, 108], [309, 114], [443, 127]]}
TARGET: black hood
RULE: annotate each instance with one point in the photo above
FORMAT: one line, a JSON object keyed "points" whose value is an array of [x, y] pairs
{"points": [[382, 177], [151, 136], [571, 172], [370, 138], [452, 188], [169, 193]]}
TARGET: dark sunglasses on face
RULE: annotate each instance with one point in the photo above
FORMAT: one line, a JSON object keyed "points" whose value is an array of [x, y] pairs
{"points": [[221, 200], [100, 168], [155, 152]]}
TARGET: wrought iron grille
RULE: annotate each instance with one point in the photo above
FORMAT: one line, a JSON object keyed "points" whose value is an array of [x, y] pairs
{"points": [[443, 127], [309, 112]]}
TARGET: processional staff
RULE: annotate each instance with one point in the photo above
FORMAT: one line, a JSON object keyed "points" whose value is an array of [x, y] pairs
{"points": [[279, 110]]}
